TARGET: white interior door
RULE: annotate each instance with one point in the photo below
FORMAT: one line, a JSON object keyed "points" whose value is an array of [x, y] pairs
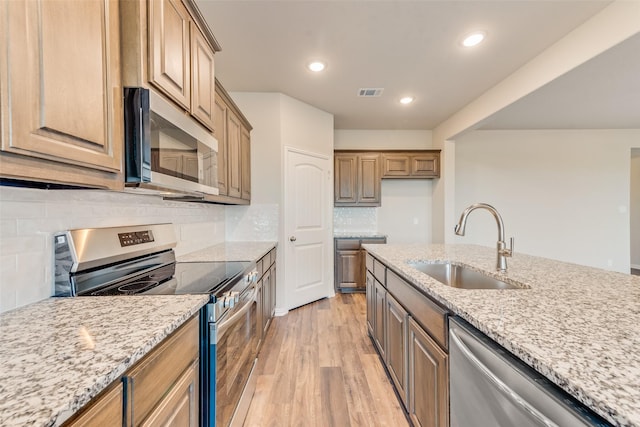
{"points": [[307, 227]]}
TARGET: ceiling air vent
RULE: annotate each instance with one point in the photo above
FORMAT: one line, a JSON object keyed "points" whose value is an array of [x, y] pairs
{"points": [[370, 92]]}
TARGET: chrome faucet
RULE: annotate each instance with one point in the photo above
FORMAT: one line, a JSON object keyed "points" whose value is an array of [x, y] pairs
{"points": [[503, 252]]}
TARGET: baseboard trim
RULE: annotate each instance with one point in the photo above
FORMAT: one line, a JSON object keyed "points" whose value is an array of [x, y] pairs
{"points": [[635, 266], [280, 312]]}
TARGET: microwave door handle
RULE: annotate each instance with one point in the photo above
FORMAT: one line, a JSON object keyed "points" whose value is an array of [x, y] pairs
{"points": [[497, 382], [224, 325]]}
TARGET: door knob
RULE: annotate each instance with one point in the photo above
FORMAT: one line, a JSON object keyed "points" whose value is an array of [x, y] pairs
{"points": [[292, 238]]}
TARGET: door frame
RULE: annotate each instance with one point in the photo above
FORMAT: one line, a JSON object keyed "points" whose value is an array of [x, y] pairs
{"points": [[284, 233]]}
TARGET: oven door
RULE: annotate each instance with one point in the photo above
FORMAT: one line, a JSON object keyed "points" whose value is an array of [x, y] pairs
{"points": [[233, 339]]}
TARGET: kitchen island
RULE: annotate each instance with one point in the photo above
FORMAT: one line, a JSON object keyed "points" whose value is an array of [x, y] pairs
{"points": [[576, 325]]}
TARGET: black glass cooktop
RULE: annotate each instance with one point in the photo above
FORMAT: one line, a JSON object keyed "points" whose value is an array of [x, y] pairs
{"points": [[180, 278]]}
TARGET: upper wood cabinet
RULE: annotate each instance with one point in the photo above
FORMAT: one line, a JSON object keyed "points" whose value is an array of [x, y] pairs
{"points": [[202, 79], [232, 130], [358, 174], [169, 46], [411, 164], [170, 49], [356, 179], [61, 92]]}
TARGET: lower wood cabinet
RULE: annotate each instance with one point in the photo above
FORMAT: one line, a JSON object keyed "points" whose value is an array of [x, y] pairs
{"points": [[266, 293], [349, 263], [379, 304], [428, 380], [416, 362], [105, 410], [161, 389], [396, 339]]}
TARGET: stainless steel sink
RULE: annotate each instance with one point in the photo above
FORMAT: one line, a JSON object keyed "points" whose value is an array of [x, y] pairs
{"points": [[458, 276]]}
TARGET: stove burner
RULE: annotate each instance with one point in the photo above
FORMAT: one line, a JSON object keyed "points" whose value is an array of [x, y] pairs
{"points": [[137, 287]]}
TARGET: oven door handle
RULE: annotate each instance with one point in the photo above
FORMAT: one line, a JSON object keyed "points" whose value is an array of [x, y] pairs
{"points": [[218, 330]]}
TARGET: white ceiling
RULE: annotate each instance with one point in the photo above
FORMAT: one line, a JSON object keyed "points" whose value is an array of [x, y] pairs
{"points": [[405, 47], [602, 93]]}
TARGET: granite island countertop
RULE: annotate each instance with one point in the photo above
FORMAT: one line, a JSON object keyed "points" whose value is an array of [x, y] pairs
{"points": [[579, 326], [59, 353]]}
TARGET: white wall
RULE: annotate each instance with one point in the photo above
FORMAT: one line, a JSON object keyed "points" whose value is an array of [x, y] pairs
{"points": [[405, 214], [563, 194], [612, 25], [635, 207], [278, 121], [28, 219]]}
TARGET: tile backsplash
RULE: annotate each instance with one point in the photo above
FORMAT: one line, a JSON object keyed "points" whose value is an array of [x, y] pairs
{"points": [[256, 222], [29, 217], [360, 220]]}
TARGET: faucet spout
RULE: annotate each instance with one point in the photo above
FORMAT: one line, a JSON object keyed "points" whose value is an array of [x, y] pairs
{"points": [[503, 252]]}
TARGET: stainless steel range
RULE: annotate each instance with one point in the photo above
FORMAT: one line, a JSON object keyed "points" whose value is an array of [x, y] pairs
{"points": [[140, 260]]}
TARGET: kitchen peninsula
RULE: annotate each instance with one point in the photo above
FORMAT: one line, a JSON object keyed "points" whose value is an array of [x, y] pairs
{"points": [[576, 325]]}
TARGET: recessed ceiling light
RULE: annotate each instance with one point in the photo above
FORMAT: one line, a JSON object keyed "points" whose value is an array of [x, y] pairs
{"points": [[407, 100], [316, 66], [473, 39]]}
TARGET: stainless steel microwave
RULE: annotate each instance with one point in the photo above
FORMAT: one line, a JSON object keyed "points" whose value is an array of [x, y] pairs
{"points": [[166, 151]]}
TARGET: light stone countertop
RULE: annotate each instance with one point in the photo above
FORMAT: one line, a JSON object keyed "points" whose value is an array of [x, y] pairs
{"points": [[357, 235], [59, 353], [579, 326], [230, 251]]}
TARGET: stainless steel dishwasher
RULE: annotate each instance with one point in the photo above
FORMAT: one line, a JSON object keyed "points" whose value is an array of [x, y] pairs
{"points": [[491, 387]]}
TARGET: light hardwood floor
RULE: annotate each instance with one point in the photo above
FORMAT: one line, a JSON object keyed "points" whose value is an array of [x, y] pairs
{"points": [[318, 368]]}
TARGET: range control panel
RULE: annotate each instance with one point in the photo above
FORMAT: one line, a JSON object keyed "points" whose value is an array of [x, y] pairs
{"points": [[135, 238]]}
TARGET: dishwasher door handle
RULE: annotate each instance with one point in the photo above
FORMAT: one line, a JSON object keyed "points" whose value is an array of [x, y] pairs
{"points": [[497, 382]]}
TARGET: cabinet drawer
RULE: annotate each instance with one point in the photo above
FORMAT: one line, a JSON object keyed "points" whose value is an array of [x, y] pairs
{"points": [[379, 271], [369, 262], [373, 241], [272, 255], [431, 317], [155, 375], [260, 266], [347, 244]]}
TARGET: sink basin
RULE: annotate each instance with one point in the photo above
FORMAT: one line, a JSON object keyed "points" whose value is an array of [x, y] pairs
{"points": [[458, 276]]}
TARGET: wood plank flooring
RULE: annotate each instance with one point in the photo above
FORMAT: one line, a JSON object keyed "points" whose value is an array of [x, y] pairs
{"points": [[318, 368]]}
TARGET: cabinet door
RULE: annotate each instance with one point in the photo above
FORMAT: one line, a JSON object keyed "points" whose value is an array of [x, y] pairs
{"points": [[202, 79], [61, 96], [428, 380], [378, 327], [266, 301], [371, 282], [234, 182], [348, 263], [396, 165], [157, 374], [220, 132], [396, 331], [170, 50], [345, 180], [260, 312], [273, 289], [245, 166], [425, 165], [105, 410], [180, 406], [369, 180]]}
